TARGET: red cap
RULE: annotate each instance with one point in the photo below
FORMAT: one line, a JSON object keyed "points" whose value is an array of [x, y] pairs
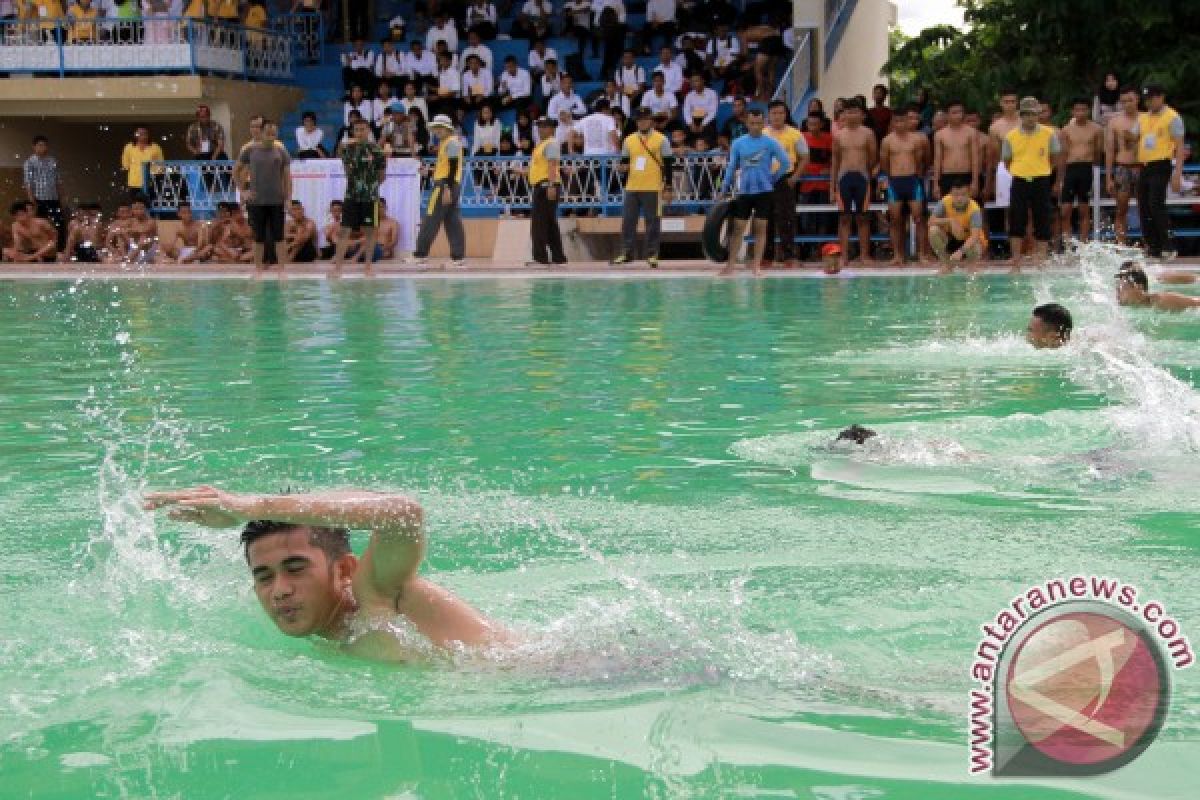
{"points": [[830, 249]]}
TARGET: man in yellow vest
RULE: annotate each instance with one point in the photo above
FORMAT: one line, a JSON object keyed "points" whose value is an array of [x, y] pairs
{"points": [[1158, 135], [545, 183], [647, 162], [442, 207], [1030, 153], [956, 231]]}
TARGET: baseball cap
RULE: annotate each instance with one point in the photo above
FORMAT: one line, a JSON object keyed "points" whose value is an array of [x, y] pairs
{"points": [[442, 121], [1030, 105]]}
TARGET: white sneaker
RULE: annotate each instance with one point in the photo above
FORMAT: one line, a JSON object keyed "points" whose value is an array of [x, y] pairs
{"points": [[458, 262], [413, 261]]}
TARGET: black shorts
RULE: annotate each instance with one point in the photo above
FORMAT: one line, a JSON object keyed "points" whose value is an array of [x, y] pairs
{"points": [[1030, 195], [760, 203], [266, 222], [853, 188], [358, 214], [1077, 185]]}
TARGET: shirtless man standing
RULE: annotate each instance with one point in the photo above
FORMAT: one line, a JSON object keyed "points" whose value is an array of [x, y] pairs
{"points": [[388, 234], [310, 583], [143, 233], [903, 160], [300, 235], [1083, 141], [35, 240], [1120, 159], [854, 161], [956, 153], [187, 247]]}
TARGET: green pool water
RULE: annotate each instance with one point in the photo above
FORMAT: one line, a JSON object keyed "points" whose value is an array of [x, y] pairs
{"points": [[635, 473]]}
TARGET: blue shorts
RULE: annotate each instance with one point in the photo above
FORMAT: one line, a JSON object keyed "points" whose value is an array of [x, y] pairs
{"points": [[905, 189], [853, 188]]}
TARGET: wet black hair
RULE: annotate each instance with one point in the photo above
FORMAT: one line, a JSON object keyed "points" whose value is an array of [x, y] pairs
{"points": [[1057, 317], [334, 542], [1134, 274], [857, 434]]}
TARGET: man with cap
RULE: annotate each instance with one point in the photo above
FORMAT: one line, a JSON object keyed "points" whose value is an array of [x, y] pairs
{"points": [[1030, 152], [647, 161], [1158, 136], [546, 184], [442, 207]]}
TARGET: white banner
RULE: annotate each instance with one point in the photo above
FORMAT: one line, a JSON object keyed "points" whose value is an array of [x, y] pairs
{"points": [[318, 181]]}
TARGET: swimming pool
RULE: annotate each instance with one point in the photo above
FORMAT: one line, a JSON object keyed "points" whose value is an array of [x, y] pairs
{"points": [[637, 473]]}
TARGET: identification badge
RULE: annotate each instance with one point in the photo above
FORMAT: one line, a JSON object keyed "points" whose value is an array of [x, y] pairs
{"points": [[639, 164], [204, 145], [1151, 141]]}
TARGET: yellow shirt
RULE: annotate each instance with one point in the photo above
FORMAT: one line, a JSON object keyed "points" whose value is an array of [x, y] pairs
{"points": [[645, 161], [133, 158], [963, 218], [1155, 142], [448, 149], [83, 25], [49, 11], [256, 17], [539, 164], [788, 139], [223, 9], [1030, 152], [196, 10]]}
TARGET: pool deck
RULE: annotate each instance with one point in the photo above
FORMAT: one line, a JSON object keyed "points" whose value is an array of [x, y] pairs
{"points": [[475, 268]]}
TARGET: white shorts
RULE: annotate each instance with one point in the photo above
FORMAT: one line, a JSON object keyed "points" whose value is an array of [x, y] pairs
{"points": [[1003, 185]]}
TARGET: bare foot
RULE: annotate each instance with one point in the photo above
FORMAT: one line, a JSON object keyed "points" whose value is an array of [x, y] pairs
{"points": [[758, 272], [725, 273], [335, 273]]}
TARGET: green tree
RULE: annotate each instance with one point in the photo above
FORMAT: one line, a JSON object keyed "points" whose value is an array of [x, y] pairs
{"points": [[1055, 50]]}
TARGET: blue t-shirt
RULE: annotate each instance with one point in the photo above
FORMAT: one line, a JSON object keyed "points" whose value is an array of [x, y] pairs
{"points": [[760, 160]]}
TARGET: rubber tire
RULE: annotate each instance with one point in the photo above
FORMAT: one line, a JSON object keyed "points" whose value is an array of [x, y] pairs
{"points": [[712, 239]]}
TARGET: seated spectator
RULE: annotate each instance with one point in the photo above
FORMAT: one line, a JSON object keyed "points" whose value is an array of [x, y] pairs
{"points": [[256, 15], [723, 57], [419, 132], [388, 235], [566, 100], [391, 68], [524, 132], [422, 65], [485, 139], [443, 49], [358, 67], [699, 127], [658, 99], [550, 83], [630, 77], [411, 100], [477, 85], [442, 30], [358, 102], [616, 100], [299, 236], [660, 23], [332, 230], [477, 48], [449, 87], [700, 98], [396, 29], [308, 138], [670, 70], [236, 245], [578, 17], [539, 54], [482, 21], [382, 103], [515, 86], [533, 21], [346, 134], [34, 240], [396, 135], [610, 27]]}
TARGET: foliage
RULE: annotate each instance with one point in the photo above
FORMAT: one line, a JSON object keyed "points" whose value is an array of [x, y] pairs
{"points": [[1054, 49]]}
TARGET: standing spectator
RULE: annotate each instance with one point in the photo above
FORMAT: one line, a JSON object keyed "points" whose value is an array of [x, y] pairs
{"points": [[365, 165], [599, 131], [753, 160], [443, 204], [135, 156], [308, 138], [443, 30], [1158, 134], [205, 138], [566, 100], [658, 99], [43, 185], [647, 160], [578, 14], [610, 23], [670, 70], [545, 182], [783, 197], [855, 158], [660, 23], [449, 87], [515, 85], [879, 118], [477, 48], [539, 54], [358, 67], [391, 67], [1083, 141], [1120, 160], [735, 126], [358, 102], [630, 78], [1107, 103], [476, 85], [700, 98], [1030, 152], [482, 21], [814, 190], [423, 66], [533, 21], [264, 175]]}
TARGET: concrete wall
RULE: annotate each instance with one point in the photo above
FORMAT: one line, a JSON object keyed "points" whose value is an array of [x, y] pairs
{"points": [[861, 54]]}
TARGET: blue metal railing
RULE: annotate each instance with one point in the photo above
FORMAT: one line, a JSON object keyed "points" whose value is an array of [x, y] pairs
{"points": [[159, 44]]}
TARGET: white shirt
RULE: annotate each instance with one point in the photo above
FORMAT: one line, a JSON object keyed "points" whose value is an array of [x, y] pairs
{"points": [[449, 81], [477, 84], [667, 103], [672, 74], [447, 34], [516, 85], [706, 100], [485, 56], [598, 131], [308, 141], [632, 78], [619, 101], [551, 86], [723, 52], [355, 60], [660, 10], [477, 14], [486, 134], [598, 7], [365, 108], [417, 103], [426, 65], [378, 106], [538, 62], [579, 12], [566, 102], [563, 134], [392, 64], [536, 10]]}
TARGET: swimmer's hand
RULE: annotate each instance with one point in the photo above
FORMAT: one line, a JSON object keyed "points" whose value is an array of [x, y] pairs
{"points": [[202, 505]]}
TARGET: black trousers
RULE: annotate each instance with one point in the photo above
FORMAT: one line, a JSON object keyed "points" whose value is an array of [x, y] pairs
{"points": [[1152, 206], [51, 210], [547, 240], [1030, 195], [782, 222]]}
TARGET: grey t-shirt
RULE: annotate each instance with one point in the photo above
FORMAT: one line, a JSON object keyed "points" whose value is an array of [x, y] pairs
{"points": [[266, 164]]}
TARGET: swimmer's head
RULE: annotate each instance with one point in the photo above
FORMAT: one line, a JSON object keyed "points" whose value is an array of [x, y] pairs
{"points": [[1132, 284], [301, 574], [857, 434], [1050, 326]]}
